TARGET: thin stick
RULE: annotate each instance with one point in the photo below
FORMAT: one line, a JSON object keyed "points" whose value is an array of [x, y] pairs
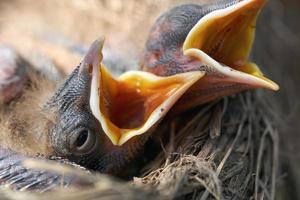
{"points": [[222, 163], [259, 157]]}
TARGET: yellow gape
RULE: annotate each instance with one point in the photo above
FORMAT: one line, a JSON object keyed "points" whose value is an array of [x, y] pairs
{"points": [[134, 102], [226, 36]]}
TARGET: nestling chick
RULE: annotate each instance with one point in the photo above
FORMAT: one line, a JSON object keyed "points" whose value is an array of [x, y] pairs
{"points": [[24, 91], [216, 39]]}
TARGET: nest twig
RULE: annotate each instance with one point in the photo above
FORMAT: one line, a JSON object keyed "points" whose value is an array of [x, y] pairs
{"points": [[243, 148]]}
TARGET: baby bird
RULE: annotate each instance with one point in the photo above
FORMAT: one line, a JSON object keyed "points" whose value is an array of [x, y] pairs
{"points": [[216, 39], [24, 125], [194, 54], [200, 54], [23, 92]]}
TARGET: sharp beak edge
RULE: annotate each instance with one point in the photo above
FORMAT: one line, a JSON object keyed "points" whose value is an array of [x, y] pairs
{"points": [[255, 80], [226, 36]]}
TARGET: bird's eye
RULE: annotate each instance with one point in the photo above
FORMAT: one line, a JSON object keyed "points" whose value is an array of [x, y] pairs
{"points": [[83, 141]]}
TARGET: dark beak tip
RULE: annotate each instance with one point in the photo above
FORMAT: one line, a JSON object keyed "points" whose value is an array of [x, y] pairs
{"points": [[94, 56]]}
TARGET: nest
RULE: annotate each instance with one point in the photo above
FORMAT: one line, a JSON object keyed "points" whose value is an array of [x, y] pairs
{"points": [[223, 150]]}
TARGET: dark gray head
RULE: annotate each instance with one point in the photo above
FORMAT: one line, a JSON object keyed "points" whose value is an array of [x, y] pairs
{"points": [[102, 122], [163, 49], [77, 134]]}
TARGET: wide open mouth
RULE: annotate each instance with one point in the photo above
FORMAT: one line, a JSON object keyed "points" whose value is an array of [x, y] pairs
{"points": [[134, 102], [226, 36]]}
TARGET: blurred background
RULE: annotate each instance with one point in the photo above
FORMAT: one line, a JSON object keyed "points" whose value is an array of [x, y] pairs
{"points": [[54, 35]]}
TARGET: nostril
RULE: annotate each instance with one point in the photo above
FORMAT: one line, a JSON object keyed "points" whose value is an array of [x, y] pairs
{"points": [[82, 141]]}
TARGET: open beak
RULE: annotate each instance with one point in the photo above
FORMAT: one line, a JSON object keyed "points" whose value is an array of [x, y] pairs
{"points": [[222, 41], [136, 101]]}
